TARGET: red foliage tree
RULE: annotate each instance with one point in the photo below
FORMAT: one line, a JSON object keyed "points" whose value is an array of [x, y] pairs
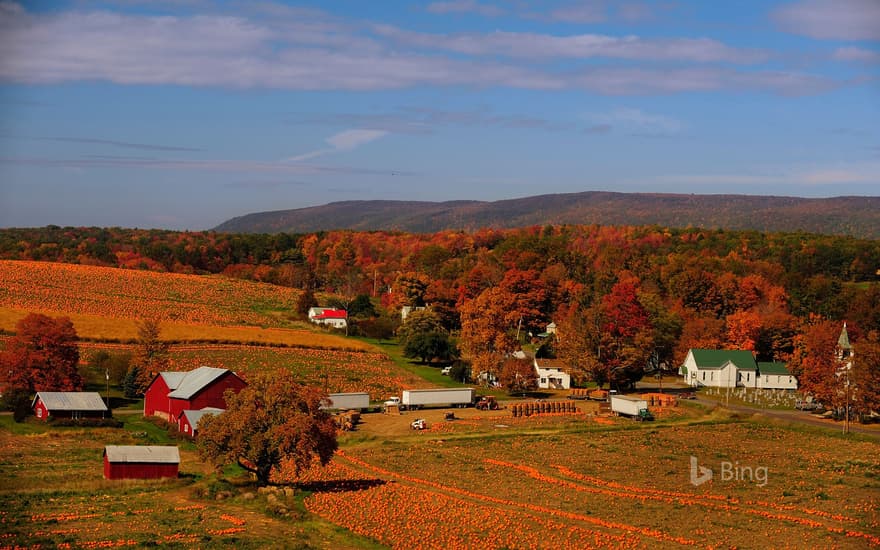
{"points": [[274, 422], [865, 377], [42, 356]]}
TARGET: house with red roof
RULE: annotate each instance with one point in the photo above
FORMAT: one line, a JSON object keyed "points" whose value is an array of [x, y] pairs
{"points": [[336, 318], [171, 393]]}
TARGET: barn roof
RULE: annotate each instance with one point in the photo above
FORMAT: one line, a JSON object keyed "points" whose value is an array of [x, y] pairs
{"points": [[172, 379], [193, 417], [142, 453], [70, 400], [195, 381]]}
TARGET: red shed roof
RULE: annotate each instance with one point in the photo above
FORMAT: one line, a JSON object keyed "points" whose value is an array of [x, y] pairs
{"points": [[332, 314], [142, 454]]}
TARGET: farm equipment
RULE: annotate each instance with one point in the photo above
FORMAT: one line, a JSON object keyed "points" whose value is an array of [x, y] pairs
{"points": [[599, 395], [347, 420], [487, 403], [419, 424]]}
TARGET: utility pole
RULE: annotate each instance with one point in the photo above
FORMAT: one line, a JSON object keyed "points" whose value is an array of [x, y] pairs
{"points": [[107, 376]]}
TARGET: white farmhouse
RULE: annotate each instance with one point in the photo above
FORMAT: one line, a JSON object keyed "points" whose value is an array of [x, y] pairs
{"points": [[336, 318], [551, 376]]}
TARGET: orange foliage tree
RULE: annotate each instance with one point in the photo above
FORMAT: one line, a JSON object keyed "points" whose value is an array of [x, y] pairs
{"points": [[274, 421], [815, 360], [518, 376], [151, 356], [491, 321], [42, 356], [866, 374]]}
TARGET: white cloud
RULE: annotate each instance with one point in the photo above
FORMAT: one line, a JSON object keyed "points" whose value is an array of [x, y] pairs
{"points": [[582, 12], [349, 139], [582, 46], [343, 141], [311, 51], [636, 121], [860, 55], [812, 176], [832, 19], [464, 6]]}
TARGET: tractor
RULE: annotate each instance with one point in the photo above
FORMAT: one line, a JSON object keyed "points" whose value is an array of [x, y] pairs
{"points": [[487, 403]]}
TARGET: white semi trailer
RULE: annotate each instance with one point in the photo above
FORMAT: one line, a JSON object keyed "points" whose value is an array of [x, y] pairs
{"points": [[633, 407], [357, 400], [454, 397]]}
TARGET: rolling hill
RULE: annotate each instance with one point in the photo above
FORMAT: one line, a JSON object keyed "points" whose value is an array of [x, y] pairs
{"points": [[856, 216]]}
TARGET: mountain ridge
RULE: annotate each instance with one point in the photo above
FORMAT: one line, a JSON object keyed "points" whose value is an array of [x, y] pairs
{"points": [[844, 215]]}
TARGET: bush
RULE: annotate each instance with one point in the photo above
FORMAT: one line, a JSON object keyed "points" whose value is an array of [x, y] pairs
{"points": [[17, 400], [86, 422]]}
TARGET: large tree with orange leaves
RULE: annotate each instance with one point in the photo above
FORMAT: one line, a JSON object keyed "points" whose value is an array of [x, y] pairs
{"points": [[274, 421], [866, 374], [815, 361], [42, 356], [491, 322]]}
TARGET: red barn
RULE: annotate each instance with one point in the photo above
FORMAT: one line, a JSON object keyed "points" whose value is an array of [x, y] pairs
{"points": [[171, 393], [140, 462], [68, 404], [188, 421]]}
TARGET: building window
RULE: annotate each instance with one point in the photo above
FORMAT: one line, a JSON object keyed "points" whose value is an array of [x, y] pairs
{"points": [[39, 412]]}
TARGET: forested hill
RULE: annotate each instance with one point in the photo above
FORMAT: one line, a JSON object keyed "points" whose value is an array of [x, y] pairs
{"points": [[856, 216]]}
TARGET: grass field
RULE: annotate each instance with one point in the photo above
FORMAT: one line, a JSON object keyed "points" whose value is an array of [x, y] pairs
{"points": [[134, 294], [490, 481], [53, 495], [615, 486], [106, 304]]}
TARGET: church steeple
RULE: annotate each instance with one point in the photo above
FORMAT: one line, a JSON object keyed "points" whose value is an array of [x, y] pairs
{"points": [[844, 348], [843, 341]]}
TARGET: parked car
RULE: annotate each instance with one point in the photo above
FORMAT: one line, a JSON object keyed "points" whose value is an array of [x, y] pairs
{"points": [[419, 424], [807, 405]]}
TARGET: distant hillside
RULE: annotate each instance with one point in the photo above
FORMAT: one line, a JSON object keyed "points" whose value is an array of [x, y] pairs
{"points": [[856, 216]]}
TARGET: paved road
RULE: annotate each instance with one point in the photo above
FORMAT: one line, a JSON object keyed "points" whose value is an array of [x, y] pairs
{"points": [[799, 417]]}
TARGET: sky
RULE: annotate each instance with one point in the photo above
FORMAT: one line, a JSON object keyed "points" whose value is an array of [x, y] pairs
{"points": [[181, 114]]}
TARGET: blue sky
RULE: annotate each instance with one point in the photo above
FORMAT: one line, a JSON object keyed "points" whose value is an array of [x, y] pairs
{"points": [[183, 113]]}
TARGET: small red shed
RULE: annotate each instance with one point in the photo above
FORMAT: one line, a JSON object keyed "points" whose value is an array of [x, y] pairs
{"points": [[68, 404], [171, 393], [140, 461], [188, 421]]}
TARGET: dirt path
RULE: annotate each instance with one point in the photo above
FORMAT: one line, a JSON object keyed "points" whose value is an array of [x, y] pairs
{"points": [[799, 417]]}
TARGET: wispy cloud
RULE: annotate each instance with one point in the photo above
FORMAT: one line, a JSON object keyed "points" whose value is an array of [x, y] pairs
{"points": [[582, 46], [279, 47], [637, 122], [859, 55], [203, 165], [121, 144], [417, 120], [832, 19], [343, 141], [812, 176], [465, 6]]}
